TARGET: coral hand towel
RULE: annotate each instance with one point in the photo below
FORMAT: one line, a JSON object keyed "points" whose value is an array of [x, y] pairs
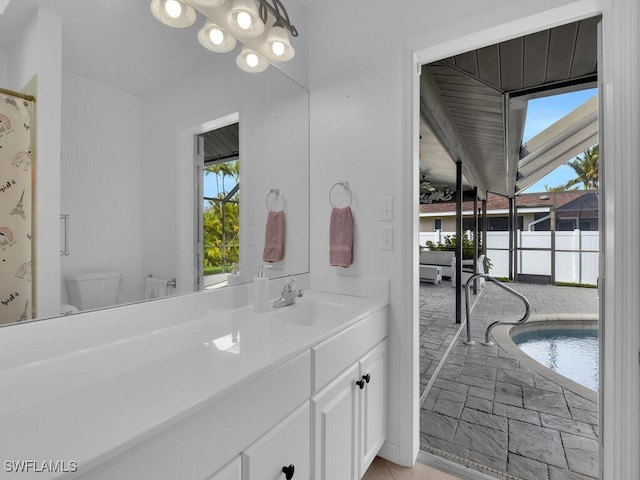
{"points": [[341, 237], [274, 237]]}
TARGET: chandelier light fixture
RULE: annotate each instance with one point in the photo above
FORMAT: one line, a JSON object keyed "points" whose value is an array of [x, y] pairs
{"points": [[228, 21]]}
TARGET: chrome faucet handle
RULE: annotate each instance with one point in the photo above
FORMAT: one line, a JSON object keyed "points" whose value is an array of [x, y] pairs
{"points": [[288, 284]]}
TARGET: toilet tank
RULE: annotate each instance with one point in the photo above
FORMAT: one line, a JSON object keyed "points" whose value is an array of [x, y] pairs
{"points": [[95, 289]]}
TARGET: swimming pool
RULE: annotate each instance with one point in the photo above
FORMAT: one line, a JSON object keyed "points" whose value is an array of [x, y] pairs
{"points": [[572, 353]]}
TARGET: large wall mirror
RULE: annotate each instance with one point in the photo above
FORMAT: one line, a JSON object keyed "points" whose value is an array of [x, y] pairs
{"points": [[122, 103]]}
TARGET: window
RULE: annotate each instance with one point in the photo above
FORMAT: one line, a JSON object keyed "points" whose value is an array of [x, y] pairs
{"points": [[566, 225], [502, 223], [469, 223], [437, 224]]}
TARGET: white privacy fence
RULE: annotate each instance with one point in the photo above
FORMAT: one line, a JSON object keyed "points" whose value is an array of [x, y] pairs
{"points": [[576, 255]]}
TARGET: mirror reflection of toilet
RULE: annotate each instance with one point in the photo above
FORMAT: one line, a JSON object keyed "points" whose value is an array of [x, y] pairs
{"points": [[90, 290], [67, 309]]}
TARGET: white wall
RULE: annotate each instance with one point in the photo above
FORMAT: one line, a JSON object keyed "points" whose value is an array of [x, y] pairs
{"points": [[273, 114], [39, 52], [100, 179], [4, 68], [363, 89]]}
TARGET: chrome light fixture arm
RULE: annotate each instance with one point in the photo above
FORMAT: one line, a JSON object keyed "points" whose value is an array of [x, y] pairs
{"points": [[280, 14], [243, 19]]}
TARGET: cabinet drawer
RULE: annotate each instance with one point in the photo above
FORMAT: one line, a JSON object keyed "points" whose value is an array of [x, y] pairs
{"points": [[335, 354], [288, 444], [230, 472]]}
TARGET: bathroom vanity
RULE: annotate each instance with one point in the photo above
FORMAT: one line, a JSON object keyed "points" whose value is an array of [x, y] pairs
{"points": [[297, 392]]}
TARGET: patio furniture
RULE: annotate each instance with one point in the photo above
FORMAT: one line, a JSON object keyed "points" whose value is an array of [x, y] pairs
{"points": [[433, 258], [431, 273]]}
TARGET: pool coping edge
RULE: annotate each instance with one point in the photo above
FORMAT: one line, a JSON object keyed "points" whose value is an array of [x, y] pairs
{"points": [[502, 337]]}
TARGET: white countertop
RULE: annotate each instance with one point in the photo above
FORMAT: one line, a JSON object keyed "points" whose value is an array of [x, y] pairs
{"points": [[89, 405]]}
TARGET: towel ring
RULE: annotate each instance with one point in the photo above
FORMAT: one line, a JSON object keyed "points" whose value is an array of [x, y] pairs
{"points": [[277, 193], [344, 184]]}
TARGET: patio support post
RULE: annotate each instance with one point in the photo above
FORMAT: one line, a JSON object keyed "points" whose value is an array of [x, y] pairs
{"points": [[485, 226], [552, 220], [515, 239], [475, 238], [511, 235], [458, 272]]}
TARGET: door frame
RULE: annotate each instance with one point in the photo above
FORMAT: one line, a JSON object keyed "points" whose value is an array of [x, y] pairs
{"points": [[186, 191], [416, 57]]}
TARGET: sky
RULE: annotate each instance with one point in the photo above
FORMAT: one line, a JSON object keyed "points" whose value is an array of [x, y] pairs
{"points": [[210, 187], [542, 113]]}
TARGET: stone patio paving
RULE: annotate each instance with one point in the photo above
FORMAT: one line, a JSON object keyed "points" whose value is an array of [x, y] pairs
{"points": [[487, 411]]}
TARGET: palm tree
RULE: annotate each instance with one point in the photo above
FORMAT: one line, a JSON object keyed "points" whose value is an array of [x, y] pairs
{"points": [[560, 188], [221, 171], [586, 169], [221, 219]]}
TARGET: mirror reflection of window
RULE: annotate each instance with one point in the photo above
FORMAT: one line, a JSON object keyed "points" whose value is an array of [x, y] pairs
{"points": [[220, 206]]}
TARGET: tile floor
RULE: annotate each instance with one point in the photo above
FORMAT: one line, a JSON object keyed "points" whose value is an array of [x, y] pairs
{"points": [[488, 412], [381, 469]]}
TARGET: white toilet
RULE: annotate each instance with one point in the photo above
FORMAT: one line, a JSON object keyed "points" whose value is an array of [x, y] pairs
{"points": [[97, 289]]}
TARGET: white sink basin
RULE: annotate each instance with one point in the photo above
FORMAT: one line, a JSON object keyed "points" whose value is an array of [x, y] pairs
{"points": [[312, 312]]}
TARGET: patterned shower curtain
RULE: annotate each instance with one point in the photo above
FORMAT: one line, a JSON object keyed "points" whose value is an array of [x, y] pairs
{"points": [[16, 189]]}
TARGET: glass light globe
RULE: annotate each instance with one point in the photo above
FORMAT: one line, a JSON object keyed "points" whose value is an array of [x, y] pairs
{"points": [[277, 48], [173, 8], [244, 20], [174, 13], [209, 3], [252, 60], [216, 36]]}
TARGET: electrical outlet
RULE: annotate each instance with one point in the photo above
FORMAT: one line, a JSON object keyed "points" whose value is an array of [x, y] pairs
{"points": [[386, 237]]}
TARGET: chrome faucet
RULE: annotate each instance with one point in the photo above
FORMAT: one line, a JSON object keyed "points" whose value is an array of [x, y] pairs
{"points": [[289, 294]]}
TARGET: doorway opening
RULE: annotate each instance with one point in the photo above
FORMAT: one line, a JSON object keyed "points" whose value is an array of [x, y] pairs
{"points": [[218, 204], [482, 407]]}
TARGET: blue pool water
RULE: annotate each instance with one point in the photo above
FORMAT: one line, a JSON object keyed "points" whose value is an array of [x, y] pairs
{"points": [[571, 353]]}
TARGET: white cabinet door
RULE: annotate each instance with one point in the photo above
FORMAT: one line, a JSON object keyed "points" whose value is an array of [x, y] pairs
{"points": [[335, 412], [373, 404], [229, 472], [285, 449]]}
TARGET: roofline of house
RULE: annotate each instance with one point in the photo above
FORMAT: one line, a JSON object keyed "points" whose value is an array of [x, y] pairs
{"points": [[502, 211]]}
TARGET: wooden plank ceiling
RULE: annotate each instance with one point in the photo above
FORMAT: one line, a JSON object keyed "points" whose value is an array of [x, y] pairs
{"points": [[221, 144], [485, 93]]}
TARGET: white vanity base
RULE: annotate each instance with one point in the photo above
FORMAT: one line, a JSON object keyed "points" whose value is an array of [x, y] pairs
{"points": [[209, 394]]}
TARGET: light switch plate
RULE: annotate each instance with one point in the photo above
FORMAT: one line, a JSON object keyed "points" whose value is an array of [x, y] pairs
{"points": [[386, 209], [386, 237]]}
